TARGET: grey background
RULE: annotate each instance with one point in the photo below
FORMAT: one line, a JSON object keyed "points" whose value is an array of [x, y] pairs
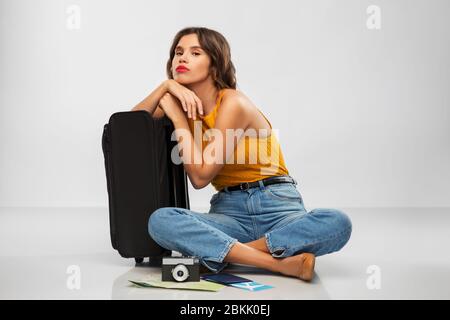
{"points": [[363, 115]]}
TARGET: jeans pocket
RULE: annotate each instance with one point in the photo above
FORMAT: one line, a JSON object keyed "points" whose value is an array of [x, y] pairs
{"points": [[283, 191]]}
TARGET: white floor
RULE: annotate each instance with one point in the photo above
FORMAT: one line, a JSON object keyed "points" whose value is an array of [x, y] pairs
{"points": [[409, 247]]}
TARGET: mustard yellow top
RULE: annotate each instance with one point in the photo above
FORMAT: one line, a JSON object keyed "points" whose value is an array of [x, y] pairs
{"points": [[263, 156]]}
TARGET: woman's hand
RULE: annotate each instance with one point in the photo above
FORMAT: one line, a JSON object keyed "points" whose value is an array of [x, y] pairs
{"points": [[189, 100], [171, 107]]}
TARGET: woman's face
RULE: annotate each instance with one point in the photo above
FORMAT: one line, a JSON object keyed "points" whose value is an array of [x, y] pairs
{"points": [[190, 55]]}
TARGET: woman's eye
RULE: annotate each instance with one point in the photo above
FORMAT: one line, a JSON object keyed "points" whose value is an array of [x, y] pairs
{"points": [[194, 53]]}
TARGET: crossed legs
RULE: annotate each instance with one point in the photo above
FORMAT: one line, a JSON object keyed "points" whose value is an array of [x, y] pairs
{"points": [[257, 254]]}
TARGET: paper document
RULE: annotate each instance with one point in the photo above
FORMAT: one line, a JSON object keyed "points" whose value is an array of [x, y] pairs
{"points": [[194, 285]]}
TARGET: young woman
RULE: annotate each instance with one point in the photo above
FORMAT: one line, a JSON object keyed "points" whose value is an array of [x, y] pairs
{"points": [[257, 217]]}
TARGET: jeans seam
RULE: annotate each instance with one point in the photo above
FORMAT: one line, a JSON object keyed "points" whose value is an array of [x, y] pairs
{"points": [[228, 244], [220, 224], [252, 218], [287, 224], [227, 249], [227, 241], [271, 195], [269, 243], [217, 199], [215, 270], [336, 235], [223, 225], [272, 249]]}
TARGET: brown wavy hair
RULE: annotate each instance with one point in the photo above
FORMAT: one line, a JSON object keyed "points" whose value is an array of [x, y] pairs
{"points": [[216, 46]]}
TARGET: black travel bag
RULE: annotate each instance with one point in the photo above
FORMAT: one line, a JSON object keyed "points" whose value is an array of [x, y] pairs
{"points": [[140, 177]]}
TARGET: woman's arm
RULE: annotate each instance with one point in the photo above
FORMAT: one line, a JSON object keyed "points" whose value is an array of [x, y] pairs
{"points": [[150, 103], [232, 114]]}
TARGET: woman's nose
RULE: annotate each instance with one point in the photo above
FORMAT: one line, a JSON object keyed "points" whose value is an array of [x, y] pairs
{"points": [[183, 57]]}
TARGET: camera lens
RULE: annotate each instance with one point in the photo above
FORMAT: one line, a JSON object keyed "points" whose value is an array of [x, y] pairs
{"points": [[180, 272]]}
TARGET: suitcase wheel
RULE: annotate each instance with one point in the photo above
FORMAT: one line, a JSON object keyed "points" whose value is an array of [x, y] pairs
{"points": [[139, 260]]}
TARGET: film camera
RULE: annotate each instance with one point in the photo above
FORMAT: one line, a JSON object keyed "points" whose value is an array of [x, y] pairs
{"points": [[180, 269]]}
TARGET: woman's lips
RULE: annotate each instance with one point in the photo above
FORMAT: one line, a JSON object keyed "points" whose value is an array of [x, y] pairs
{"points": [[181, 70]]}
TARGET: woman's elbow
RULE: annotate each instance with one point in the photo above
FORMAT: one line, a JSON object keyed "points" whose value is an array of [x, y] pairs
{"points": [[198, 183]]}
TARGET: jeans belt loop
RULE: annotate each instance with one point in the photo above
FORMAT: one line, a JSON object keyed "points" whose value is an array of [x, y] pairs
{"points": [[261, 184]]}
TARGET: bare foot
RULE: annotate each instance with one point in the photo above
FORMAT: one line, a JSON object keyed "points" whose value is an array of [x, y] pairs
{"points": [[300, 266]]}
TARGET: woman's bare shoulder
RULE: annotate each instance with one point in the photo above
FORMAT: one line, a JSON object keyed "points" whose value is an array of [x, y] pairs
{"points": [[250, 110], [237, 96]]}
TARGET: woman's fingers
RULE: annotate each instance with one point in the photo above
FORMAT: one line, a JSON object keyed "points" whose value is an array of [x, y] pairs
{"points": [[188, 106], [181, 98], [197, 107], [191, 103], [199, 104], [193, 107], [184, 102]]}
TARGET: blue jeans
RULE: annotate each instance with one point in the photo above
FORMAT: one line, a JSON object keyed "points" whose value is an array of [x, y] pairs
{"points": [[275, 212]]}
